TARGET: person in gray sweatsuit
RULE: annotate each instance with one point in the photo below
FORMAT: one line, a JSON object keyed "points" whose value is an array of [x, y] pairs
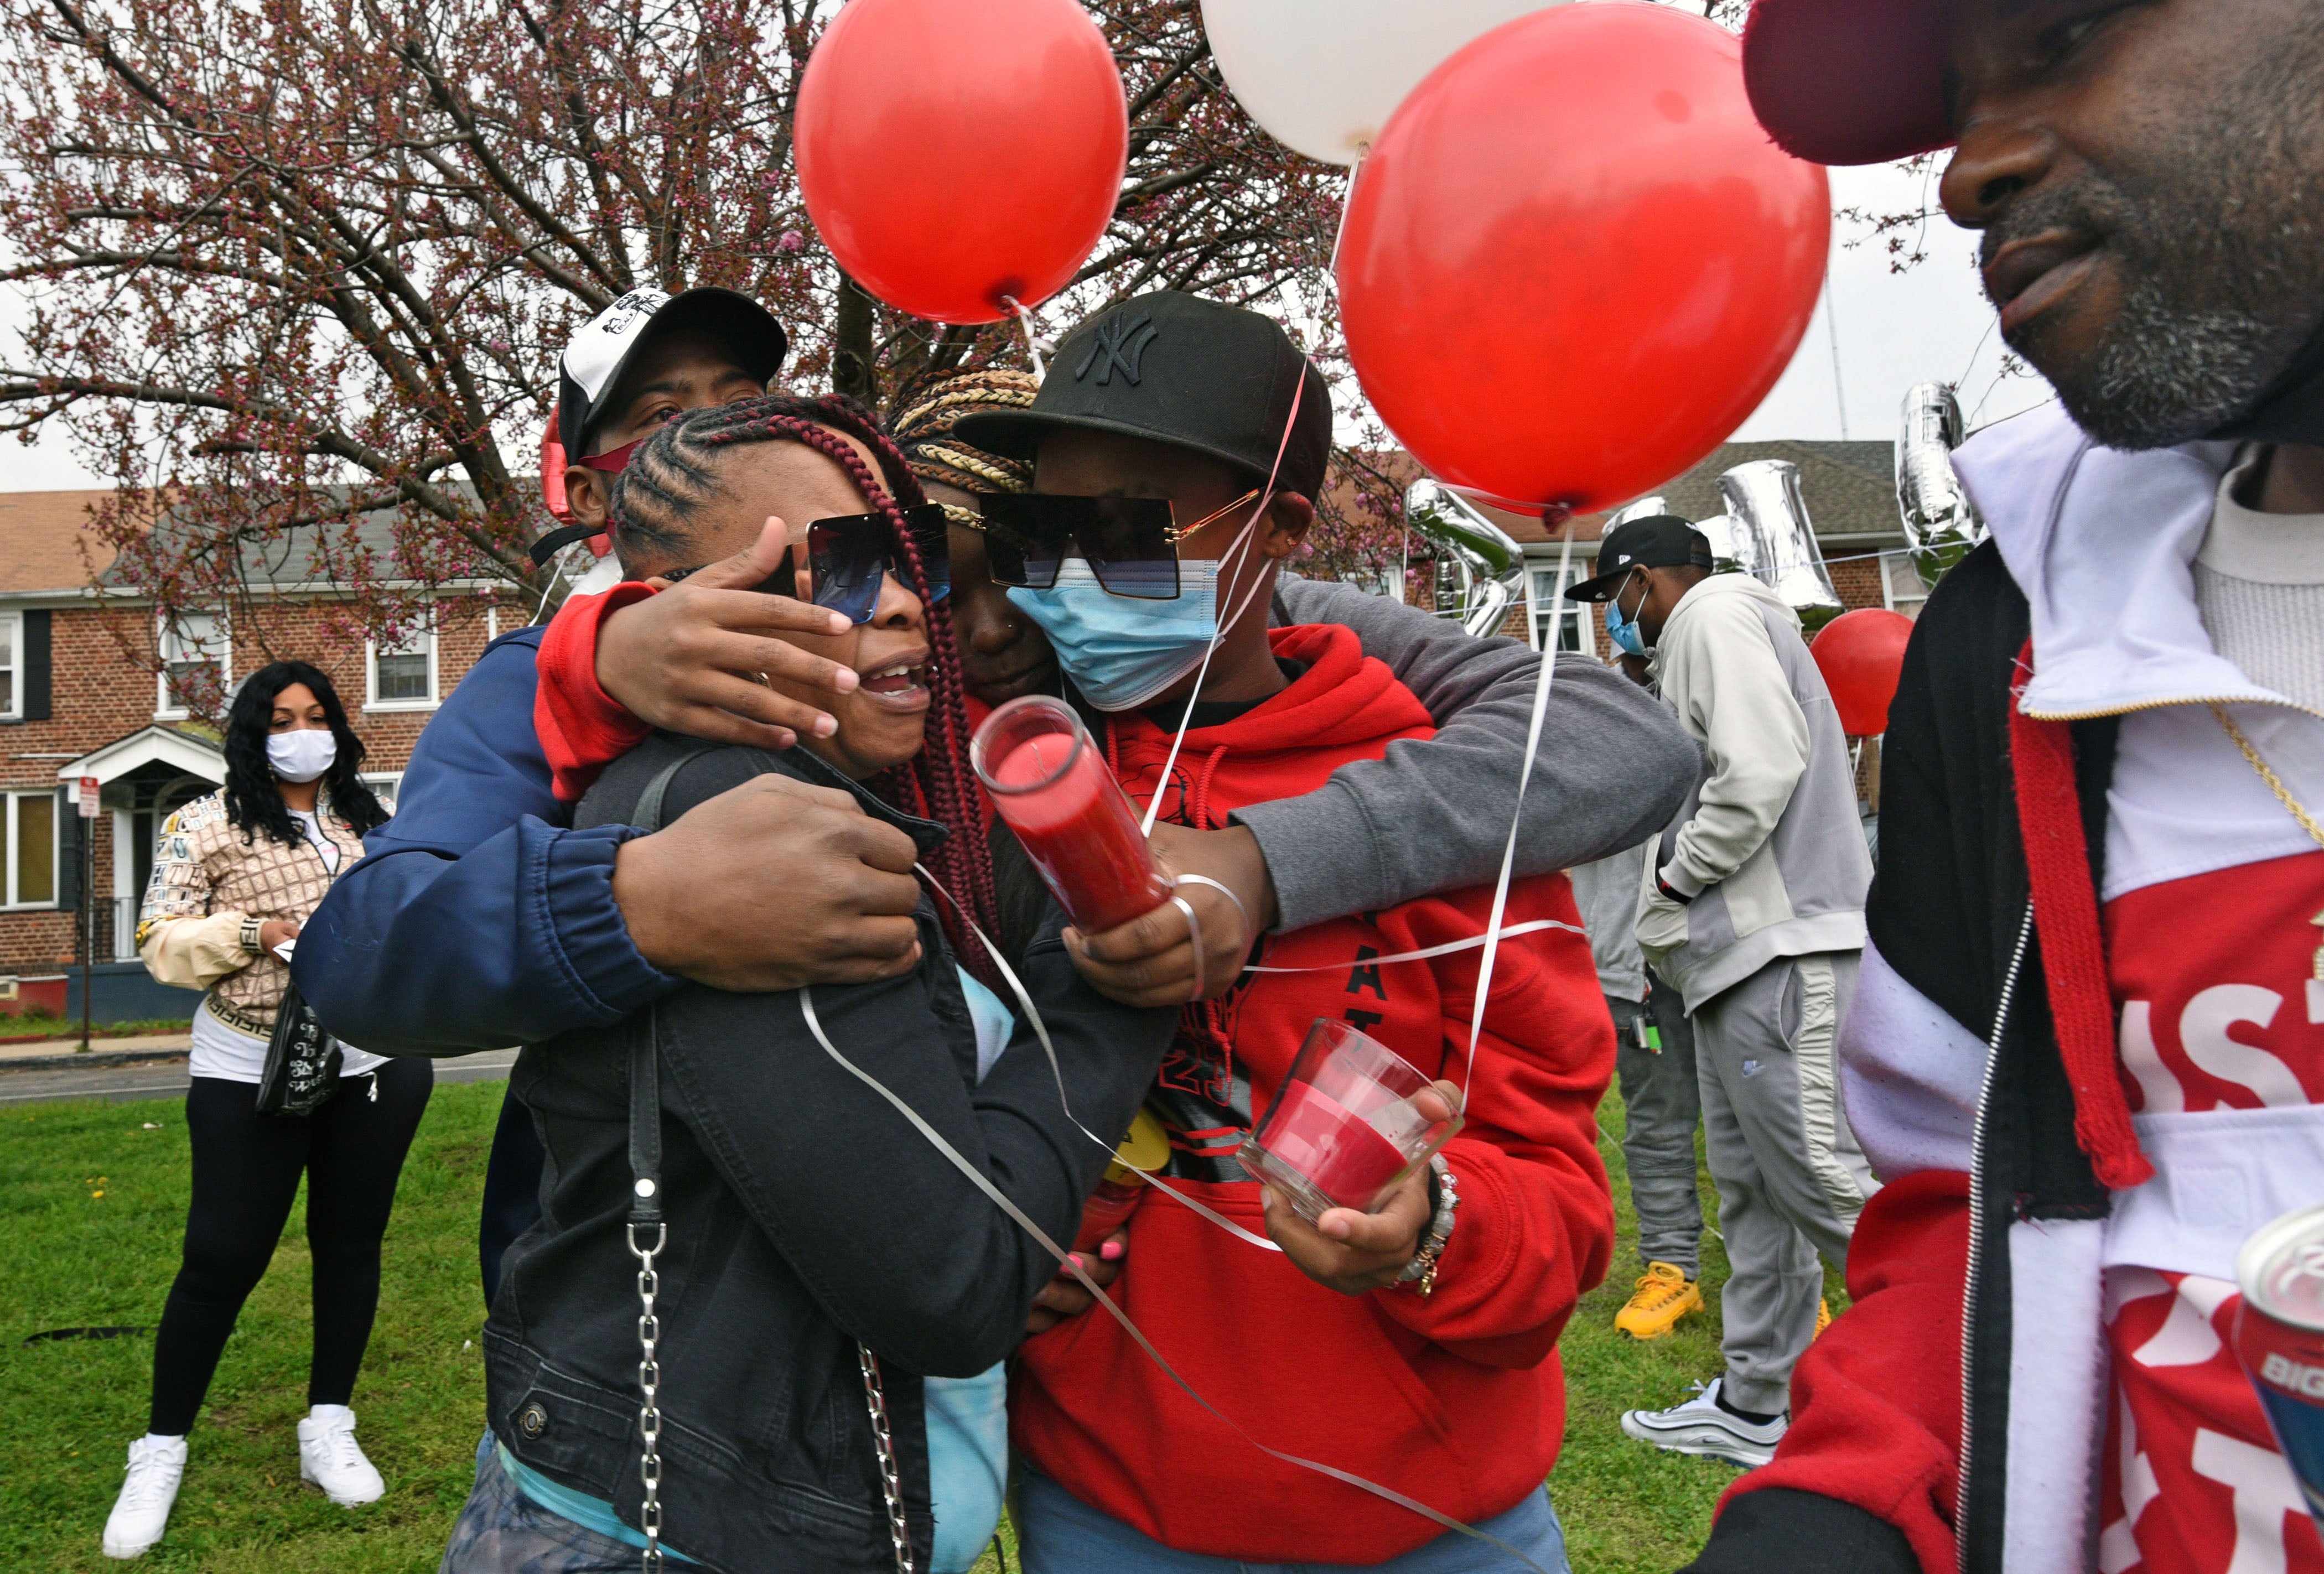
{"points": [[1751, 904], [1654, 1063]]}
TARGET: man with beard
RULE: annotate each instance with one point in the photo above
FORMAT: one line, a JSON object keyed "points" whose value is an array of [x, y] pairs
{"points": [[2087, 1040]]}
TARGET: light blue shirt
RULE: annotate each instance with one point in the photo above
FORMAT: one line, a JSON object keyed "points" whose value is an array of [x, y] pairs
{"points": [[591, 1514], [968, 1417]]}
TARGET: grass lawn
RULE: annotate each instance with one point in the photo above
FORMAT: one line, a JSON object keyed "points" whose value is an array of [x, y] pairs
{"points": [[93, 1199]]}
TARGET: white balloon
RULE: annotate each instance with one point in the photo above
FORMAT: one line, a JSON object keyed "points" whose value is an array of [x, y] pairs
{"points": [[1323, 76]]}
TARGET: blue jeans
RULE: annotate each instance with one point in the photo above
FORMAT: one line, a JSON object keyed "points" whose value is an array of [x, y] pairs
{"points": [[503, 1532], [1057, 1533]]}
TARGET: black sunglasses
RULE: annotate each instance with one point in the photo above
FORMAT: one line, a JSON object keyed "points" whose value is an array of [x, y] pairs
{"points": [[1131, 543], [849, 556]]}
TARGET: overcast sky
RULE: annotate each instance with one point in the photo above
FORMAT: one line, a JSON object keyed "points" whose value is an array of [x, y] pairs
{"points": [[1894, 329], [1930, 322]]}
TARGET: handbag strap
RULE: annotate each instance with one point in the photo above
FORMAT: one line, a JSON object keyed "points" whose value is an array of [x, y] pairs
{"points": [[645, 1218]]}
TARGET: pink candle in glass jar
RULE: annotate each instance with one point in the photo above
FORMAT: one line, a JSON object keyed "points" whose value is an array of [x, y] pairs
{"points": [[1048, 781]]}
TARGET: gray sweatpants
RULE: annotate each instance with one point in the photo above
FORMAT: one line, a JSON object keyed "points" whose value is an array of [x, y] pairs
{"points": [[1791, 1176], [1661, 1107]]}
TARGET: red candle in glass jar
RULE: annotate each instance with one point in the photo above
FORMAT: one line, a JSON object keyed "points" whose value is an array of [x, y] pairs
{"points": [[1047, 780], [1336, 1149]]}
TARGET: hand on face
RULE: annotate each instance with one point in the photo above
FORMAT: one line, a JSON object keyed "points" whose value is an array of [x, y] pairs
{"points": [[870, 676], [679, 659]]}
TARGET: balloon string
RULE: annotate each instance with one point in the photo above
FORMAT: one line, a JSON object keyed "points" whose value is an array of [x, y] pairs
{"points": [[1041, 1033], [1348, 200], [1072, 1264], [1534, 926], [1032, 345], [1218, 638], [1509, 853]]}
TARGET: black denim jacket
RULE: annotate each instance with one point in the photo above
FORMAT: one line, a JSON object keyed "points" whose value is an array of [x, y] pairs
{"points": [[805, 1215]]}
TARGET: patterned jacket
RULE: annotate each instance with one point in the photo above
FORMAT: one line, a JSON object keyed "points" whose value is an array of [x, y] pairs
{"points": [[213, 886]]}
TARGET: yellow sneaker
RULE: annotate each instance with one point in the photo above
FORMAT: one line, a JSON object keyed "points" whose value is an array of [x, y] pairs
{"points": [[1664, 1294], [1823, 1317]]}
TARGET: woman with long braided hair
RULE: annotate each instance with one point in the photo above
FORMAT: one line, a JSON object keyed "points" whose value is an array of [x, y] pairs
{"points": [[657, 504], [832, 1297]]}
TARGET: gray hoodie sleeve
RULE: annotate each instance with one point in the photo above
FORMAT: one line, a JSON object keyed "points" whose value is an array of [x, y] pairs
{"points": [[1614, 768]]}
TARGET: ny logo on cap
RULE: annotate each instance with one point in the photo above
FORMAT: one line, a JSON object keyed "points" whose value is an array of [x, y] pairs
{"points": [[1122, 342]]}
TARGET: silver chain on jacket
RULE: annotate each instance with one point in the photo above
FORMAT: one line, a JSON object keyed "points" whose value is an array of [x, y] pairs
{"points": [[650, 1381], [891, 1480]]}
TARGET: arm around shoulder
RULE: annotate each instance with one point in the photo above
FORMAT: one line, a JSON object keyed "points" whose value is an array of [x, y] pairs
{"points": [[477, 919], [1613, 767]]}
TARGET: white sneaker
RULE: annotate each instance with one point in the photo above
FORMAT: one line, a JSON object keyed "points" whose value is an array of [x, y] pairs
{"points": [[1699, 1426], [330, 1459], [142, 1512]]}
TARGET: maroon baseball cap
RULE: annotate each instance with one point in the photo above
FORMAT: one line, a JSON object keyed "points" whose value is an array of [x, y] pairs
{"points": [[1849, 81]]}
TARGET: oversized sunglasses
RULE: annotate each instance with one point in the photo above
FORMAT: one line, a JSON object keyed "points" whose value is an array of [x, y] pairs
{"points": [[1131, 543], [849, 556]]}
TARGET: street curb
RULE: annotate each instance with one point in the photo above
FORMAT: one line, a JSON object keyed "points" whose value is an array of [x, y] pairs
{"points": [[96, 1057]]}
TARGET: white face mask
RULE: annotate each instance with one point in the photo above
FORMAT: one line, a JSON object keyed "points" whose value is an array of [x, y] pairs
{"points": [[303, 755]]}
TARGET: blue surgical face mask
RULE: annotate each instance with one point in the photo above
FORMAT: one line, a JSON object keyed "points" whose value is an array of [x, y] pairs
{"points": [[1623, 631], [1122, 652]]}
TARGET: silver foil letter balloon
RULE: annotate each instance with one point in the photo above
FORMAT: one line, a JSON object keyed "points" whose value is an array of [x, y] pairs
{"points": [[1774, 540], [1940, 522]]}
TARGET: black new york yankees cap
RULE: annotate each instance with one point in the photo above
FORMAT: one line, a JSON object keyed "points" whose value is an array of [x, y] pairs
{"points": [[1657, 541], [1196, 374]]}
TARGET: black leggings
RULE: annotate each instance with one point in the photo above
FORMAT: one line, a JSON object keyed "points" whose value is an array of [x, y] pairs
{"points": [[247, 1170]]}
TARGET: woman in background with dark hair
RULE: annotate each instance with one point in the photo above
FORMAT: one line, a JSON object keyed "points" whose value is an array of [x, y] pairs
{"points": [[234, 876]]}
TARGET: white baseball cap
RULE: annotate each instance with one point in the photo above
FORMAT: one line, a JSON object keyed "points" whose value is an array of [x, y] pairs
{"points": [[591, 367]]}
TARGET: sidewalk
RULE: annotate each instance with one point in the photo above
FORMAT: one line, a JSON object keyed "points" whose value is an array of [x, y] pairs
{"points": [[150, 1075], [101, 1051]]}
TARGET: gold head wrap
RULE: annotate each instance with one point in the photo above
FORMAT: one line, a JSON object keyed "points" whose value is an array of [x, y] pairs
{"points": [[932, 453]]}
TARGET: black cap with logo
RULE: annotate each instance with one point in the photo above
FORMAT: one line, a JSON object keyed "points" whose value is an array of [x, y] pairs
{"points": [[1658, 541], [1176, 369]]}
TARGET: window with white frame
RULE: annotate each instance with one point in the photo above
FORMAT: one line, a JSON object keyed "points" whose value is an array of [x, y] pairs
{"points": [[197, 660], [12, 666], [1551, 610], [28, 850], [403, 670], [1902, 588], [383, 785]]}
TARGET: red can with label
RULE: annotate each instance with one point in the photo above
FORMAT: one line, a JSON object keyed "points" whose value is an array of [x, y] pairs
{"points": [[2280, 1340]]}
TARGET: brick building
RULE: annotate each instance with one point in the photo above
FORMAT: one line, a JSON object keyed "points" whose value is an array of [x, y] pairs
{"points": [[92, 685]]}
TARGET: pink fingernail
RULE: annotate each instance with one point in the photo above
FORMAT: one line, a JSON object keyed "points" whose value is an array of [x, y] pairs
{"points": [[1111, 1249], [1075, 1261]]}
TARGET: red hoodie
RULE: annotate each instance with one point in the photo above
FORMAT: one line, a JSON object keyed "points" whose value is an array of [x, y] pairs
{"points": [[1455, 1399]]}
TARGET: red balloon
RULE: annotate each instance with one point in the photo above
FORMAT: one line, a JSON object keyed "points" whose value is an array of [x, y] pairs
{"points": [[1860, 655], [952, 154], [1573, 263]]}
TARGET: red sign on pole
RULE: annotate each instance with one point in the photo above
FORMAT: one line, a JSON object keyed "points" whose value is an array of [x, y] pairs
{"points": [[90, 790]]}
